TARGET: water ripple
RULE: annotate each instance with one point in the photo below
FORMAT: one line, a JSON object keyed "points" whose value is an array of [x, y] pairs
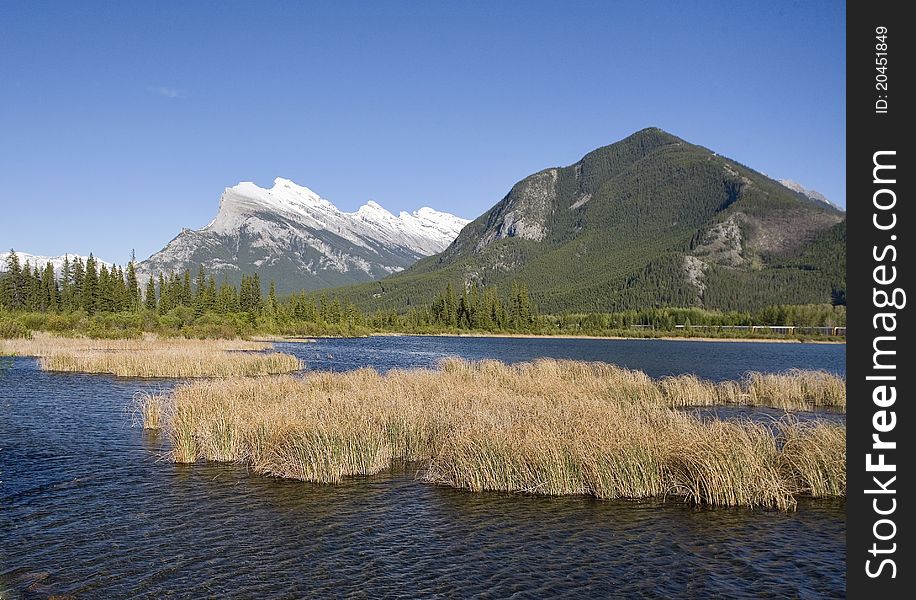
{"points": [[86, 508]]}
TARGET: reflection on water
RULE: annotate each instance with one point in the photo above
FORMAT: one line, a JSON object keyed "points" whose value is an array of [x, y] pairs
{"points": [[87, 507]]}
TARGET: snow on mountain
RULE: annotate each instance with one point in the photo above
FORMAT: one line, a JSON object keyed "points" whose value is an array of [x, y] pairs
{"points": [[41, 261], [811, 194], [292, 235]]}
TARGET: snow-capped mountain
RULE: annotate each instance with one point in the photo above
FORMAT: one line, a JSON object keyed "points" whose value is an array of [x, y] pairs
{"points": [[290, 234], [42, 261], [811, 194]]}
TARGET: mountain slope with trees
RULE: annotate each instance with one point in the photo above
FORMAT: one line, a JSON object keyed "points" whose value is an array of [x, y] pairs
{"points": [[650, 221]]}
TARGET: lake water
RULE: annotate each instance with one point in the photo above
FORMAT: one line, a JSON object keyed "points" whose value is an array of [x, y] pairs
{"points": [[710, 360], [88, 508]]}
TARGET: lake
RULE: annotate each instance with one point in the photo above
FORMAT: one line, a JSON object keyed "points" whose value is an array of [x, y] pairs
{"points": [[87, 506]]}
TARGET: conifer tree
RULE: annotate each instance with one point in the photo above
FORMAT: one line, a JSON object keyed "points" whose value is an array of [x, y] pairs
{"points": [[200, 290], [228, 299], [66, 286], [33, 287], [13, 285], [164, 295], [451, 306], [124, 300], [105, 291], [186, 296], [133, 286], [210, 296], [272, 298], [89, 300], [51, 299], [79, 278], [150, 296]]}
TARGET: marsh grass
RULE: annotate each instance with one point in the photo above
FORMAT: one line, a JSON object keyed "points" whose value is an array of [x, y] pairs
{"points": [[547, 427], [813, 458], [153, 357], [172, 362], [147, 410], [45, 344], [789, 390]]}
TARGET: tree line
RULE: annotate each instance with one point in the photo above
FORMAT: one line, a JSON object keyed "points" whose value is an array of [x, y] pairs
{"points": [[198, 305], [87, 286]]}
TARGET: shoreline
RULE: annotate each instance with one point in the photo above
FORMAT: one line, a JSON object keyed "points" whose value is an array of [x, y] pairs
{"points": [[606, 337]]}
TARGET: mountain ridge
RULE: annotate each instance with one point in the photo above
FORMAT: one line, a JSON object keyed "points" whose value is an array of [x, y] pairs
{"points": [[292, 235], [808, 193], [41, 261]]}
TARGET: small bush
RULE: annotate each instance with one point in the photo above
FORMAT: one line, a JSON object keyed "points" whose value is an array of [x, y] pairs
{"points": [[10, 330]]}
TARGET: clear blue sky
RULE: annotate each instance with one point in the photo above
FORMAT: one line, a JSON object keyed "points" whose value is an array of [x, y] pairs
{"points": [[122, 122]]}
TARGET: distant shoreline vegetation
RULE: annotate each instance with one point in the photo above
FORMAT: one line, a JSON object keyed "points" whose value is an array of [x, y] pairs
{"points": [[93, 300]]}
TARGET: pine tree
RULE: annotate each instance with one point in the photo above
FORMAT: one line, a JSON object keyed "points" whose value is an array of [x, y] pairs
{"points": [[150, 296], [451, 306], [200, 290], [164, 295], [272, 298], [51, 299], [13, 285], [79, 279], [186, 296], [133, 286], [66, 286], [124, 300], [210, 296], [228, 299], [90, 290], [105, 301], [33, 287]]}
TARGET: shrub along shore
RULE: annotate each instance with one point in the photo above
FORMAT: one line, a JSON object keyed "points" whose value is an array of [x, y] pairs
{"points": [[547, 427], [151, 356]]}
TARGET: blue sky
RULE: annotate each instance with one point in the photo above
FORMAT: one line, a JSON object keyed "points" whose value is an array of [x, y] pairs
{"points": [[122, 122]]}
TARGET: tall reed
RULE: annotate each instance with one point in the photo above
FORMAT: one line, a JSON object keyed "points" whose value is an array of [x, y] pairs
{"points": [[546, 427], [147, 410], [788, 390]]}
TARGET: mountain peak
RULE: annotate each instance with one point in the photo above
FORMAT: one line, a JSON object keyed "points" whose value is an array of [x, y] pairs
{"points": [[372, 206], [281, 185], [651, 220], [284, 197], [291, 234], [373, 212]]}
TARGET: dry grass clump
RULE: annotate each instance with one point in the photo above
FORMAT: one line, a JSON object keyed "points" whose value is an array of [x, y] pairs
{"points": [[153, 357], [147, 410], [814, 457], [727, 464], [548, 427], [172, 362], [793, 388], [45, 344]]}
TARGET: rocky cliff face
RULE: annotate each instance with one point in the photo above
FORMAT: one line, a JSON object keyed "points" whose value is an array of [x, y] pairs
{"points": [[290, 234]]}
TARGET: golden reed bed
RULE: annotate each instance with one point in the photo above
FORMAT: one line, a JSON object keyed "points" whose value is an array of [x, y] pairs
{"points": [[153, 357], [548, 427]]}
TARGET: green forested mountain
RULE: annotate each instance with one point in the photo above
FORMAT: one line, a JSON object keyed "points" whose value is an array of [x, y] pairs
{"points": [[649, 221]]}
